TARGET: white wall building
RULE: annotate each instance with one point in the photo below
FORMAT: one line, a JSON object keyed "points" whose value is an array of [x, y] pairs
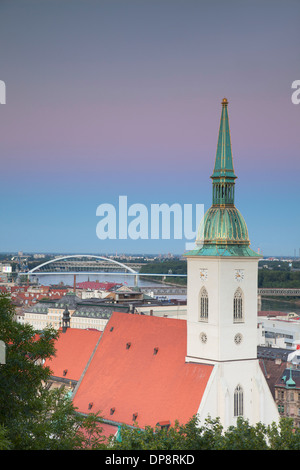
{"points": [[222, 303]]}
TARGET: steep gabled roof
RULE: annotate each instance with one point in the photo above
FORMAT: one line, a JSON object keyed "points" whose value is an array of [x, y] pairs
{"points": [[139, 369], [73, 351]]}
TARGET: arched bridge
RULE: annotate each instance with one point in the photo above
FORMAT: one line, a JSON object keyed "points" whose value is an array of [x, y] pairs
{"points": [[93, 263]]}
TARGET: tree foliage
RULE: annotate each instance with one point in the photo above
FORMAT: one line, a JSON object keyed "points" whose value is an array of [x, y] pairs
{"points": [[31, 416], [283, 278], [166, 267], [211, 435], [35, 418]]}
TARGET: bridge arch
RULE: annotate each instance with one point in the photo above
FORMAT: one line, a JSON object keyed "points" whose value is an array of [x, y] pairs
{"points": [[82, 256]]}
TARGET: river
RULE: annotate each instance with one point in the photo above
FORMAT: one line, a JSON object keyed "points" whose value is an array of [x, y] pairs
{"points": [[279, 306], [68, 279]]}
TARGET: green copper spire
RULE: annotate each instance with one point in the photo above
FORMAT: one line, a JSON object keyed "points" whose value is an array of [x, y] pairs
{"points": [[223, 176], [223, 230], [223, 162]]}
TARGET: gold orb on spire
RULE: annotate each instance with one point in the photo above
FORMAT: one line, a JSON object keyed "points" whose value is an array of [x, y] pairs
{"points": [[224, 102]]}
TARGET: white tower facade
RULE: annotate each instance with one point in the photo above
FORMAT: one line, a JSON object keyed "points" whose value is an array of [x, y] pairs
{"points": [[222, 303], [227, 330]]}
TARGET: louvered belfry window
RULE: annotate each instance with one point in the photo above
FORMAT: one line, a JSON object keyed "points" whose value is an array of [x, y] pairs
{"points": [[238, 401], [203, 305], [238, 307]]}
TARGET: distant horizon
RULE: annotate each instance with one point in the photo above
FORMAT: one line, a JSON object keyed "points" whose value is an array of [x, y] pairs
{"points": [[125, 254]]}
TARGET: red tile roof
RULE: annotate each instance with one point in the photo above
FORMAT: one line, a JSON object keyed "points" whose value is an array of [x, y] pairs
{"points": [[96, 285], [127, 377], [73, 351]]}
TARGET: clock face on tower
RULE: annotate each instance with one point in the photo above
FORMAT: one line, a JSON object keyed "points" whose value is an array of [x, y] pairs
{"points": [[203, 274], [239, 275]]}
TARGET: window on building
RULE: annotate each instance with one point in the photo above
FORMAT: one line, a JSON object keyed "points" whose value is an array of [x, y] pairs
{"points": [[238, 307], [238, 401], [203, 314]]}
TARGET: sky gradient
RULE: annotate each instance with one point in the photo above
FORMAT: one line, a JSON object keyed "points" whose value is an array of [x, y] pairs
{"points": [[111, 98]]}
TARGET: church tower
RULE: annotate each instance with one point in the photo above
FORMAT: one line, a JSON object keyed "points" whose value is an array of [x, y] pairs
{"points": [[222, 299]]}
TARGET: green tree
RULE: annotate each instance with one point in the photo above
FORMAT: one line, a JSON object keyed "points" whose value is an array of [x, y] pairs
{"points": [[31, 416], [210, 436], [246, 437], [189, 436], [167, 267], [284, 436], [4, 442]]}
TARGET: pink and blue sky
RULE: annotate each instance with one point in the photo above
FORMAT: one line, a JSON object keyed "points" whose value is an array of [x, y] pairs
{"points": [[122, 97]]}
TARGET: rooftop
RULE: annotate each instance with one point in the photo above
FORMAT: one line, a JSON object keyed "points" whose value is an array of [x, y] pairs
{"points": [[139, 374], [73, 350]]}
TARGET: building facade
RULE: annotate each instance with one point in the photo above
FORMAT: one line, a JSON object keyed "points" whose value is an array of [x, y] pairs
{"points": [[92, 313], [287, 395]]}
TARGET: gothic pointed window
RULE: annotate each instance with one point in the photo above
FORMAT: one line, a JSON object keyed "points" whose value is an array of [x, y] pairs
{"points": [[238, 401], [203, 314], [238, 306]]}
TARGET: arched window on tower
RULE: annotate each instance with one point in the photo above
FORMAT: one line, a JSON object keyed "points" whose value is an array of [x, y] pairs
{"points": [[238, 306], [203, 313], [238, 401]]}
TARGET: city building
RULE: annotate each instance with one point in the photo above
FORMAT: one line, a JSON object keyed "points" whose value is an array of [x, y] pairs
{"points": [[90, 313], [85, 313], [281, 331], [281, 368], [287, 395], [273, 361]]}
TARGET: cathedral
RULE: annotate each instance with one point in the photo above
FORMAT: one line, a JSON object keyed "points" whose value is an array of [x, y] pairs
{"points": [[147, 371], [222, 301]]}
